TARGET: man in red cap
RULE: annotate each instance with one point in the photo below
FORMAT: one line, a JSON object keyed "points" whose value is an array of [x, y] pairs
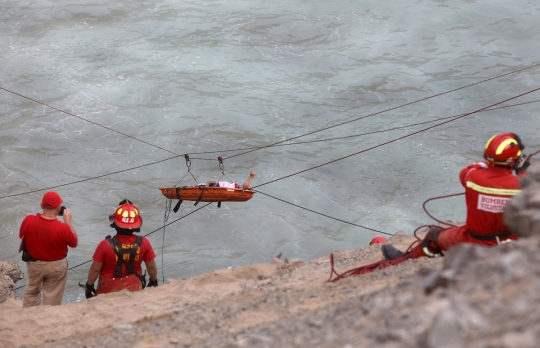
{"points": [[45, 242]]}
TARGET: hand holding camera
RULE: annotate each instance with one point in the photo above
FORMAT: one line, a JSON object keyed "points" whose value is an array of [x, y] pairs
{"points": [[65, 213]]}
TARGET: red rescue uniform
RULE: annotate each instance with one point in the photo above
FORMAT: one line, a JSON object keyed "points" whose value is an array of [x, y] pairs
{"points": [[487, 191], [106, 255]]}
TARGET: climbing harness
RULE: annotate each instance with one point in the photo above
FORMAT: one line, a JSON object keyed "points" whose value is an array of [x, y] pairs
{"points": [[121, 258]]}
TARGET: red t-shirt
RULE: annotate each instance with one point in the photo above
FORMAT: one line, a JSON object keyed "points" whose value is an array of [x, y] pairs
{"points": [[46, 239], [487, 190], [105, 254]]}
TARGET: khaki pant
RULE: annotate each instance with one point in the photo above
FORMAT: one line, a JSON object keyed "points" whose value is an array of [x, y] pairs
{"points": [[47, 277]]}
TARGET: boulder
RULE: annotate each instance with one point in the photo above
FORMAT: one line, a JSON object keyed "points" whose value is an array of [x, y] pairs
{"points": [[10, 273], [522, 214]]}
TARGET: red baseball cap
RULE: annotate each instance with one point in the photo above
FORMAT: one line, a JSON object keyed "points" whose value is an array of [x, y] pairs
{"points": [[51, 200], [378, 240]]}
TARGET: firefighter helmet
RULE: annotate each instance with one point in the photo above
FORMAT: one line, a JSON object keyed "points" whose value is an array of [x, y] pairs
{"points": [[503, 149], [127, 217], [378, 240]]}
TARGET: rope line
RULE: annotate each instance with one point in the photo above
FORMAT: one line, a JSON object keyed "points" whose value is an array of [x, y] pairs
{"points": [[316, 212], [249, 148], [258, 148], [440, 197], [83, 180], [396, 107], [168, 204], [92, 122], [170, 223], [396, 139]]}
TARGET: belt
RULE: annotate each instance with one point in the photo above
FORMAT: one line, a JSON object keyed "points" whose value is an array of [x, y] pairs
{"points": [[490, 236], [63, 257]]}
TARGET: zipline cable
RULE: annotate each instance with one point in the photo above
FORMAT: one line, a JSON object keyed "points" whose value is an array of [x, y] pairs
{"points": [[396, 139], [83, 180], [452, 195], [170, 223], [313, 132], [393, 108], [92, 122], [316, 212], [249, 148]]}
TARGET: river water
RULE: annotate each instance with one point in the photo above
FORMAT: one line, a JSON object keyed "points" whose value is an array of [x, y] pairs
{"points": [[212, 76]]}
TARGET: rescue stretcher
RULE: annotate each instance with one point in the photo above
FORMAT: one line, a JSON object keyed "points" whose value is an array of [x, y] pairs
{"points": [[204, 193]]}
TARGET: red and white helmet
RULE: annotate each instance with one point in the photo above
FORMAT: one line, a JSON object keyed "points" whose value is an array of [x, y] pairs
{"points": [[503, 149], [127, 217], [378, 240]]}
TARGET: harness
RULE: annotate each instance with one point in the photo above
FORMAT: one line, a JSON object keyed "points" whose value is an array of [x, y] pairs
{"points": [[120, 251], [491, 236]]}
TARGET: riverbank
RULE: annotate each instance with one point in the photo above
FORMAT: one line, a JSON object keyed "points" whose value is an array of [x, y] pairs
{"points": [[476, 297]]}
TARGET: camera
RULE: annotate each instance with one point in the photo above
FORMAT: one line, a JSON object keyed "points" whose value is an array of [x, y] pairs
{"points": [[61, 212]]}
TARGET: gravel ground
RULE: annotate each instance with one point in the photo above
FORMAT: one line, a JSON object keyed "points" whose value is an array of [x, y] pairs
{"points": [[473, 297]]}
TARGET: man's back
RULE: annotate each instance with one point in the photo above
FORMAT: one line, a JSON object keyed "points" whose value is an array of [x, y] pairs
{"points": [[46, 239], [106, 255], [488, 190]]}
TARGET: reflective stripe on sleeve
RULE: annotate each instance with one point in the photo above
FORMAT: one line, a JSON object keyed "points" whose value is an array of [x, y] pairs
{"points": [[491, 190]]}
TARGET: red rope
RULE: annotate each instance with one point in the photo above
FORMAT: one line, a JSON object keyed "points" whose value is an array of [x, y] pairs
{"points": [[365, 269], [382, 264]]}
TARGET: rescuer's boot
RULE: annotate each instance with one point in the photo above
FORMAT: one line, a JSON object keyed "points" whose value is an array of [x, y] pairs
{"points": [[429, 246], [390, 253]]}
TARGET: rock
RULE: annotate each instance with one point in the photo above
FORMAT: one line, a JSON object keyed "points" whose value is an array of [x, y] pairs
{"points": [[522, 213], [519, 340], [462, 255], [438, 278], [10, 273], [123, 327], [11, 270], [444, 333]]}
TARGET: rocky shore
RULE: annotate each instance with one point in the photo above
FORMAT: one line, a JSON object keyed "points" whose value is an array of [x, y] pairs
{"points": [[472, 297], [9, 275]]}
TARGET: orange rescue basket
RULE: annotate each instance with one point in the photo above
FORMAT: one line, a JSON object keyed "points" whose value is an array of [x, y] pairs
{"points": [[207, 194]]}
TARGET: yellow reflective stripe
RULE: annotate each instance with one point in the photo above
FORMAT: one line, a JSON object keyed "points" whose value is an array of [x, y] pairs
{"points": [[429, 253], [489, 141], [504, 144], [491, 190]]}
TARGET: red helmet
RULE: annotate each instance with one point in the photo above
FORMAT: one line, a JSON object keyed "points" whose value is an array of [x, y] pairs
{"points": [[126, 217], [503, 149], [378, 240]]}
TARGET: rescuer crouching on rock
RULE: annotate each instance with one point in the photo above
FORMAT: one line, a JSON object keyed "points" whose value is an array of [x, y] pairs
{"points": [[489, 186], [117, 260]]}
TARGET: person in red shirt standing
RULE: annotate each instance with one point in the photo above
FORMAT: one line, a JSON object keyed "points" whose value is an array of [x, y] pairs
{"points": [[45, 242], [118, 259], [489, 186]]}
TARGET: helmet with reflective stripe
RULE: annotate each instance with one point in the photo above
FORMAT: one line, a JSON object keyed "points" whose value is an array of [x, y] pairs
{"points": [[127, 217], [378, 240], [503, 149]]}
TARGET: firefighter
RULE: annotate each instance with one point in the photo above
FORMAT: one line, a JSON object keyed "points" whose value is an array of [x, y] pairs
{"points": [[489, 186], [117, 260]]}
